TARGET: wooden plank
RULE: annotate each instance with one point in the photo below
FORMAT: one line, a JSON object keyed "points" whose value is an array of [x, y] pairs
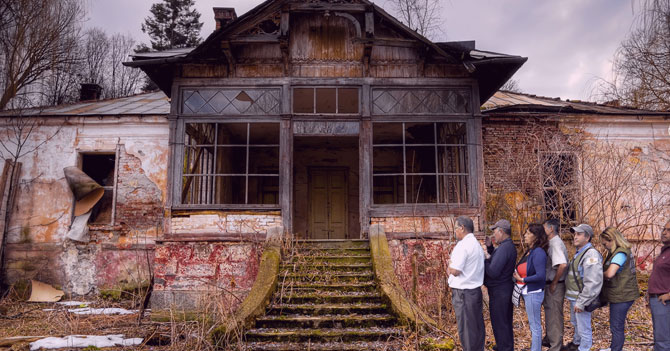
{"points": [[214, 237], [422, 210], [318, 7], [326, 128], [365, 175], [389, 82], [318, 204], [338, 203]]}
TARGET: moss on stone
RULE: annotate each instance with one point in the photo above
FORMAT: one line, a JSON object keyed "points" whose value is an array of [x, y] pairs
{"points": [[430, 344], [259, 296], [408, 313]]}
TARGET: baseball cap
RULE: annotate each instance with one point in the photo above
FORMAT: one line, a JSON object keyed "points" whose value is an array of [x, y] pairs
{"points": [[583, 228], [502, 224]]}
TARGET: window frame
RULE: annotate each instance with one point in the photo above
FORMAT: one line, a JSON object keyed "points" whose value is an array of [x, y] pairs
{"points": [[574, 188], [404, 145], [179, 175], [113, 187], [314, 105]]}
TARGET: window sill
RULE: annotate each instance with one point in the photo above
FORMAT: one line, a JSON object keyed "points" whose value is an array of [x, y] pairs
{"points": [[423, 210]]}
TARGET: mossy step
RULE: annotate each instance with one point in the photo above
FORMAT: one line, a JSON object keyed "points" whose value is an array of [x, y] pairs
{"points": [[332, 259], [326, 321], [354, 297], [320, 278], [322, 335], [326, 252], [323, 309], [331, 346], [324, 268], [332, 244], [320, 288]]}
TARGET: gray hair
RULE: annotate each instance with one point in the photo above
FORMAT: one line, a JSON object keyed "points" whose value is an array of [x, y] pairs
{"points": [[554, 224], [466, 223]]}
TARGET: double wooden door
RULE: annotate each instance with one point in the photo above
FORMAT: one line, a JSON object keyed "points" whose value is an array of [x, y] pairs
{"points": [[328, 203]]}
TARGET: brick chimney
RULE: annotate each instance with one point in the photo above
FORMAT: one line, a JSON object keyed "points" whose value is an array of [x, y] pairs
{"points": [[90, 91], [223, 16]]}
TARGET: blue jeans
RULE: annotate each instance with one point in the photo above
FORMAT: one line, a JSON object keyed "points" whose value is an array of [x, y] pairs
{"points": [[533, 302], [583, 332], [618, 312], [660, 316]]}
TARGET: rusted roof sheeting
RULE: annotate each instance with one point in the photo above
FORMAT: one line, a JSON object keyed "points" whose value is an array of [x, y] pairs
{"points": [[155, 103], [505, 101]]}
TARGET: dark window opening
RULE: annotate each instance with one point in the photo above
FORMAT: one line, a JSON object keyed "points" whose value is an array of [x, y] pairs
{"points": [[420, 163], [100, 167], [231, 163], [559, 185], [326, 100]]}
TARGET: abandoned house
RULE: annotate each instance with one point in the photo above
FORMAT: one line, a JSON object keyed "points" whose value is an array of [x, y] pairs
{"points": [[321, 118]]}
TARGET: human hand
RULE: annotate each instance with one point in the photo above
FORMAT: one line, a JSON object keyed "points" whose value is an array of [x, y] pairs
{"points": [[578, 310], [552, 287], [516, 276], [488, 241], [487, 255], [664, 298]]}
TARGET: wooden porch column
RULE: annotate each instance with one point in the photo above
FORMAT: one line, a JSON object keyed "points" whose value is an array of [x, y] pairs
{"points": [[286, 172], [365, 174]]}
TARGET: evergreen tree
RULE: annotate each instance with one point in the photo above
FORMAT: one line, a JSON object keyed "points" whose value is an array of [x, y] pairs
{"points": [[173, 24]]}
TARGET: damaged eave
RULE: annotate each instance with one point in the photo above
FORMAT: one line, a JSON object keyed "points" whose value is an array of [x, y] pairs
{"points": [[492, 73]]}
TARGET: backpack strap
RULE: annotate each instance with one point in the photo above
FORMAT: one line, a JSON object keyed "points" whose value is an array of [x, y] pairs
{"points": [[580, 283]]}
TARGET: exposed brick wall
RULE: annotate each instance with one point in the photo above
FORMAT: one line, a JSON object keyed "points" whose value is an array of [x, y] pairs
{"points": [[139, 202], [184, 272]]}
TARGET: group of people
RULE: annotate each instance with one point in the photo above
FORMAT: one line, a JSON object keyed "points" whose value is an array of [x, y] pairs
{"points": [[544, 277]]}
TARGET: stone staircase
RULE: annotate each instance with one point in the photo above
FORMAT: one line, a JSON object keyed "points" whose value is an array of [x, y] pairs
{"points": [[326, 299]]}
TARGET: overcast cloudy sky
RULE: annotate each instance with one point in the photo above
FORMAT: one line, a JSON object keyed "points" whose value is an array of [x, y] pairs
{"points": [[569, 43]]}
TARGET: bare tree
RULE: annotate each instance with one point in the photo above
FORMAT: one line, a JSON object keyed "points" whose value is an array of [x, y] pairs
{"points": [[121, 80], [35, 37], [641, 69], [423, 16], [95, 54], [512, 85]]}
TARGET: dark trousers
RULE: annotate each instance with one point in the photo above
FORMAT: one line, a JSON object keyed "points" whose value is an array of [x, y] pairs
{"points": [[501, 310], [469, 318], [618, 313]]}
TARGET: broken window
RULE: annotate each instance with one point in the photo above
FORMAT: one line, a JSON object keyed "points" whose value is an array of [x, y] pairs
{"points": [[231, 164], [326, 100], [559, 185], [420, 163], [100, 167]]}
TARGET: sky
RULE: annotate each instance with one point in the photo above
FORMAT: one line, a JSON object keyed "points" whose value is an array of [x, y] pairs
{"points": [[570, 44]]}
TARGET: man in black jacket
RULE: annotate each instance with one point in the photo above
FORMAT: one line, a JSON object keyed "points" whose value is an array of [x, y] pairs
{"points": [[499, 267]]}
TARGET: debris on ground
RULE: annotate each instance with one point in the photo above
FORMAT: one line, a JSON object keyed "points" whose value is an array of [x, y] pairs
{"points": [[82, 341]]}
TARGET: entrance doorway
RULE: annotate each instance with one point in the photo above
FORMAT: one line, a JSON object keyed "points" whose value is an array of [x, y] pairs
{"points": [[326, 187]]}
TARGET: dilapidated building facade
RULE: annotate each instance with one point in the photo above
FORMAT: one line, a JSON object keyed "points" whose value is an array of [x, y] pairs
{"points": [[318, 117]]}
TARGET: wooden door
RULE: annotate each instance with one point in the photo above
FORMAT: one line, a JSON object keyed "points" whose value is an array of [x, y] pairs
{"points": [[327, 203]]}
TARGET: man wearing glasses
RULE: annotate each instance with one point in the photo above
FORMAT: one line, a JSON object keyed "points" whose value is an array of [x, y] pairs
{"points": [[466, 276]]}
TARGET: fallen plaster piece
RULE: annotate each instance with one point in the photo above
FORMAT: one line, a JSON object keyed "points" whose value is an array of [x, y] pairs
{"points": [[73, 303], [82, 341], [41, 292], [88, 310]]}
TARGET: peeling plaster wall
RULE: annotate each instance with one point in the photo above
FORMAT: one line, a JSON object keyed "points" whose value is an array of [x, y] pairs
{"points": [[116, 254], [225, 222]]}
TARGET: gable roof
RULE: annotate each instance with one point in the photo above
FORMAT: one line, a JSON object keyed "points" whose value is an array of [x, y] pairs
{"points": [[490, 69]]}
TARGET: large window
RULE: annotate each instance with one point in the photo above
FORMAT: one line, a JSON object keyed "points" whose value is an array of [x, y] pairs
{"points": [[420, 163], [231, 163]]}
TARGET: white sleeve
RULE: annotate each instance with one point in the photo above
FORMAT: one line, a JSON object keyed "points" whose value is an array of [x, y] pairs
{"points": [[557, 256], [458, 257]]}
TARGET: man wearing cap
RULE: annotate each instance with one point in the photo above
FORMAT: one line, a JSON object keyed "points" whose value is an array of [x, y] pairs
{"points": [[499, 267], [659, 294], [554, 295], [583, 284], [466, 276]]}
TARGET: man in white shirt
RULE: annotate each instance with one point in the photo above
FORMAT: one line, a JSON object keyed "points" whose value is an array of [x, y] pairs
{"points": [[557, 270], [466, 276]]}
